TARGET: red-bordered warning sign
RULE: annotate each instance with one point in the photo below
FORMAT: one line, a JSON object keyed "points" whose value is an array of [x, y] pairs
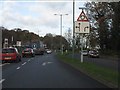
{"points": [[82, 17]]}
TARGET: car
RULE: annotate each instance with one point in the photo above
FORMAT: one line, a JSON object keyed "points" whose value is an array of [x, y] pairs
{"points": [[85, 52], [28, 52], [93, 53], [10, 54], [48, 51]]}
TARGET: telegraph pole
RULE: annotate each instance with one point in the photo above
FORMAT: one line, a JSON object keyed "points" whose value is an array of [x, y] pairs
{"points": [[73, 48]]}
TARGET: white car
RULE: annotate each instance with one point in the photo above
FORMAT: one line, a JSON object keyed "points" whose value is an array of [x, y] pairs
{"points": [[94, 53], [48, 51], [85, 52]]}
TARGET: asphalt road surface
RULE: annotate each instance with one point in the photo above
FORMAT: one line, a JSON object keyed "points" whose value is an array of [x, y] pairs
{"points": [[44, 71]]}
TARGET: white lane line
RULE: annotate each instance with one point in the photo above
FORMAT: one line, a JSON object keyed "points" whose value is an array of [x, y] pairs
{"points": [[24, 63], [18, 68], [28, 60], [2, 80], [4, 64], [49, 62], [44, 64]]}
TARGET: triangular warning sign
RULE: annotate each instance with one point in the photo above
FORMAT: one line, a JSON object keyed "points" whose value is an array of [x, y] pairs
{"points": [[82, 17]]}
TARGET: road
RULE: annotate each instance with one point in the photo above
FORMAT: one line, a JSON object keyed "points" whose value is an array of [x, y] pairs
{"points": [[44, 71]]}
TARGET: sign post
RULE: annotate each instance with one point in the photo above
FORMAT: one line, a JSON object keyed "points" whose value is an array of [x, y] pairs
{"points": [[82, 27]]}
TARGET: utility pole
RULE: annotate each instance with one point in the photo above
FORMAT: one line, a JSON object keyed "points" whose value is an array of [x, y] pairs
{"points": [[73, 49]]}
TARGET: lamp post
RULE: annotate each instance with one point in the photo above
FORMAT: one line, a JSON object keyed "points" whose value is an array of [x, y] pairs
{"points": [[61, 31], [73, 42]]}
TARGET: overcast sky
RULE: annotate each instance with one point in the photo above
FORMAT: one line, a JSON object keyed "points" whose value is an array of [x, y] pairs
{"points": [[38, 15]]}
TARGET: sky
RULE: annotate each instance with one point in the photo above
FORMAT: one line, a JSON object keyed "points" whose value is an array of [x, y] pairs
{"points": [[38, 16]]}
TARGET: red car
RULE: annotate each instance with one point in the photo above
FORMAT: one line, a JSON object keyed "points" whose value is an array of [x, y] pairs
{"points": [[10, 54], [28, 52]]}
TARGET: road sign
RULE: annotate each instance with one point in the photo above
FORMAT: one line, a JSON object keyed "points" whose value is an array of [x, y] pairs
{"points": [[82, 27], [82, 24], [5, 43], [82, 17], [18, 43]]}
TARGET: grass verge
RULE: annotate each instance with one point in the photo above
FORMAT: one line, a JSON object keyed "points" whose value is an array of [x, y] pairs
{"points": [[106, 76]]}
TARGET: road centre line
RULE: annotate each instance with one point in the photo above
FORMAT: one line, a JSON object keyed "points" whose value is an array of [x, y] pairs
{"points": [[29, 60], [49, 62], [24, 63], [18, 68], [44, 64], [2, 80]]}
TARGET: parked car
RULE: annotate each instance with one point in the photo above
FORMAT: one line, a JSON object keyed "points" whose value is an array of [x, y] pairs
{"points": [[48, 51], [28, 52], [10, 54], [85, 52], [93, 53], [38, 47]]}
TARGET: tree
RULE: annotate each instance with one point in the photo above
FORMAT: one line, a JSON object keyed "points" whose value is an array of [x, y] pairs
{"points": [[48, 40], [115, 30], [68, 36], [18, 34], [107, 23]]}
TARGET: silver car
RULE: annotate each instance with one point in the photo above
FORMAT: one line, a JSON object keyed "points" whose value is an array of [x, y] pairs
{"points": [[93, 53], [85, 52]]}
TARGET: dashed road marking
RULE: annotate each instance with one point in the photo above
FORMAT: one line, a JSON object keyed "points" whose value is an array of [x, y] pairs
{"points": [[24, 63], [44, 64], [18, 68], [49, 62], [28, 60], [2, 80], [4, 64]]}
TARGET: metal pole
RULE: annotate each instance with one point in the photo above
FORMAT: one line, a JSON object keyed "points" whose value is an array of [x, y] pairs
{"points": [[61, 33], [81, 45], [73, 49], [61, 46], [82, 49], [12, 41]]}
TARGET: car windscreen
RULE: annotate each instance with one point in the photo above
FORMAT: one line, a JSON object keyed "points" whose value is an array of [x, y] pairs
{"points": [[8, 50]]}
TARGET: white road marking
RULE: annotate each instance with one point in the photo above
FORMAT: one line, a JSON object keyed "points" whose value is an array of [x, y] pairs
{"points": [[2, 80], [49, 62], [28, 60], [18, 68], [24, 63], [4, 64], [44, 64]]}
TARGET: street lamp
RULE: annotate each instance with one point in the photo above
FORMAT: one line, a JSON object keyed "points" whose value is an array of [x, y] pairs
{"points": [[61, 30]]}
